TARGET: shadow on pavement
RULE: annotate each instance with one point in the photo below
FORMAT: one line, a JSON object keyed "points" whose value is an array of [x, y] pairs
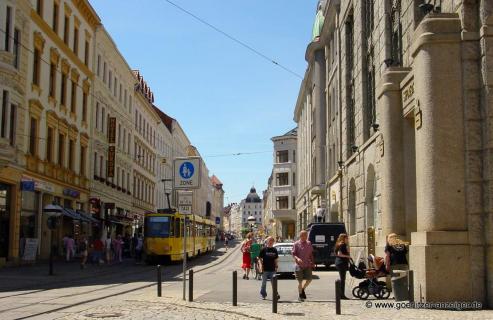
{"points": [[69, 274]]}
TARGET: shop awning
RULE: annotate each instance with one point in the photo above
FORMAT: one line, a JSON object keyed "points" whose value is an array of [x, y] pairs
{"points": [[71, 214], [87, 216]]}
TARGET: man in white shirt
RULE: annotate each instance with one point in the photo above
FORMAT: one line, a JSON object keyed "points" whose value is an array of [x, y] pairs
{"points": [[320, 213]]}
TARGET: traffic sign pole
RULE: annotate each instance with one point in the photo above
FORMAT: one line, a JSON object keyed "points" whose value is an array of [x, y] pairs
{"points": [[184, 258]]}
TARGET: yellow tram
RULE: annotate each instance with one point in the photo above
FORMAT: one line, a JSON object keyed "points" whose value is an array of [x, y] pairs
{"points": [[163, 236]]}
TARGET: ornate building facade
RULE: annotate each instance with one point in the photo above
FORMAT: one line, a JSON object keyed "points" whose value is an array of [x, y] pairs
{"points": [[403, 89]]}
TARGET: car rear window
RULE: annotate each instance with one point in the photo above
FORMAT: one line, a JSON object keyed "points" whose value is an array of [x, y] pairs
{"points": [[284, 250]]}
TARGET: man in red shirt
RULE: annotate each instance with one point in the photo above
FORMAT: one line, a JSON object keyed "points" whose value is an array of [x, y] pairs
{"points": [[303, 256], [98, 251]]}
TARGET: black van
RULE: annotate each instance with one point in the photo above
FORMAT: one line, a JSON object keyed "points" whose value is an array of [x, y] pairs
{"points": [[323, 237]]}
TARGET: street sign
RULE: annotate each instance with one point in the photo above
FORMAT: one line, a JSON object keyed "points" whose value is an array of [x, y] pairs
{"points": [[187, 173], [185, 202], [218, 220]]}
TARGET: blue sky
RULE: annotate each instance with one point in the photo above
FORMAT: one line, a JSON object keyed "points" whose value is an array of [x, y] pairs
{"points": [[226, 98]]}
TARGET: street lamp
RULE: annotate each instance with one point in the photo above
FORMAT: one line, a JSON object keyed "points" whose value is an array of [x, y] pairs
{"points": [[53, 211]]}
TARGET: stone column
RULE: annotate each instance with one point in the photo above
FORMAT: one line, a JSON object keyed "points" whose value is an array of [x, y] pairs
{"points": [[440, 248], [392, 169]]}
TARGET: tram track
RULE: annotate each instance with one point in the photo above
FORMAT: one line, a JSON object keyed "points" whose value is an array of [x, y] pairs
{"points": [[143, 277]]}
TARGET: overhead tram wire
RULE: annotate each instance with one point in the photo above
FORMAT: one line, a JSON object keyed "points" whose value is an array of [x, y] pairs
{"points": [[91, 94], [234, 39]]}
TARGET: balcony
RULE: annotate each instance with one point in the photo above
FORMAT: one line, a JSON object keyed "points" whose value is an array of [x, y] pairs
{"points": [[284, 214]]}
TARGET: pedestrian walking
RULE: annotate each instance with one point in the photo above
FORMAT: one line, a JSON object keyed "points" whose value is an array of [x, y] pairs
{"points": [[107, 248], [247, 261], [69, 245], [320, 214], [268, 259], [83, 251], [118, 245], [303, 256], [226, 242], [341, 251], [395, 256], [138, 248]]}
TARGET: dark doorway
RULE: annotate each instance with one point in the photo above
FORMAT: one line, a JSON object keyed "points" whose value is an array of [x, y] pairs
{"points": [[5, 195]]}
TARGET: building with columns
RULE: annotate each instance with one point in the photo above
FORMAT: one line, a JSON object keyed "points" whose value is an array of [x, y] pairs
{"points": [[407, 91]]}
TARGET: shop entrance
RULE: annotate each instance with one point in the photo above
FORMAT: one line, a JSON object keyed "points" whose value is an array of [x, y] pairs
{"points": [[5, 194]]}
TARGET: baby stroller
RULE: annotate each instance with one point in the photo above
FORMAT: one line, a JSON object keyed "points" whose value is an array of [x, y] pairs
{"points": [[370, 285]]}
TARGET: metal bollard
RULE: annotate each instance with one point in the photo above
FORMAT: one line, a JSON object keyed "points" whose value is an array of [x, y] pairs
{"points": [[51, 261], [158, 280], [338, 296], [274, 294], [235, 288], [190, 285]]}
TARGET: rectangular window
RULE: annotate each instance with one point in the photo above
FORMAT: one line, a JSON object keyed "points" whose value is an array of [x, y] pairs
{"points": [[294, 156], [130, 103], [124, 139], [13, 123], [350, 117], [36, 66], [33, 136], [76, 41], [282, 156], [119, 135], [97, 115], [61, 150], [63, 90], [82, 169], [55, 17], [125, 99], [17, 47], [96, 171], [49, 145], [39, 7], [98, 66], [86, 53], [84, 107], [120, 93], [128, 144], [71, 155], [110, 79], [103, 117], [115, 87], [74, 97], [101, 166], [294, 179], [66, 28], [282, 179], [52, 90], [128, 182], [282, 202], [3, 123], [8, 26], [104, 72]]}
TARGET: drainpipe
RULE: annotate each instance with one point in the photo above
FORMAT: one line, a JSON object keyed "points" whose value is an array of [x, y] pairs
{"points": [[340, 111]]}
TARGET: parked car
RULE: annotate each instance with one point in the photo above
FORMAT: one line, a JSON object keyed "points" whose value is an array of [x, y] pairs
{"points": [[286, 264], [323, 237]]}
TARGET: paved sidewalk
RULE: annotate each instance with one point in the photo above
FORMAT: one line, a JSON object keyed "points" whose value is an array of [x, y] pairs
{"points": [[149, 307]]}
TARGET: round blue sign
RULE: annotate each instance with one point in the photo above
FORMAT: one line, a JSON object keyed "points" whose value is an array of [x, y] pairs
{"points": [[187, 170]]}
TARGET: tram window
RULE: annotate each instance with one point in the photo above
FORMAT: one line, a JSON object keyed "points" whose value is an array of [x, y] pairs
{"points": [[158, 227], [178, 227], [172, 227]]}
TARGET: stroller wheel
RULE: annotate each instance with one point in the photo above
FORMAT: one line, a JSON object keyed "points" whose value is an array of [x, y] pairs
{"points": [[383, 293], [363, 293], [355, 292]]}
